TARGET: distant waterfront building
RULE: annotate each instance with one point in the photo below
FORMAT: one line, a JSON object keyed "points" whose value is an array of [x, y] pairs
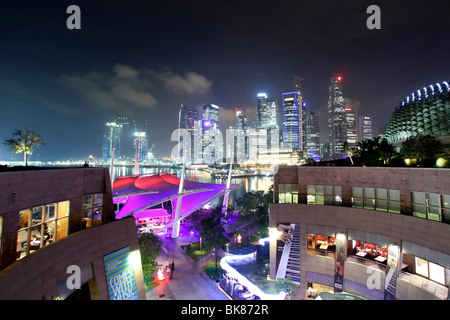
{"points": [[351, 127], [312, 136], [186, 120], [141, 146], [365, 128], [425, 111], [336, 117], [292, 120], [112, 139]]}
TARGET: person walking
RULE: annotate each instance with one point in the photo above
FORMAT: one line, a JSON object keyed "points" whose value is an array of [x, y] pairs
{"points": [[172, 268]]}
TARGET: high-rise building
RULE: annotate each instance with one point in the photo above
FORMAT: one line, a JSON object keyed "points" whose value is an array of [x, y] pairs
{"points": [[141, 145], [336, 117], [312, 136], [267, 112], [351, 127], [186, 118], [112, 139], [212, 147], [292, 120], [298, 86], [365, 128], [241, 138]]}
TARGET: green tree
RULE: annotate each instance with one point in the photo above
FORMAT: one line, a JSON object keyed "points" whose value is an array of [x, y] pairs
{"points": [[286, 285], [375, 152], [422, 147], [150, 248], [24, 141], [211, 228]]}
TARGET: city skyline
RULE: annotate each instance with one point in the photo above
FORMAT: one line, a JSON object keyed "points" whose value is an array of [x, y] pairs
{"points": [[142, 60]]}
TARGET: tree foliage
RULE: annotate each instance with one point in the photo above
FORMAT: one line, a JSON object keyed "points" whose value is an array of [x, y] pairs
{"points": [[150, 248], [422, 147], [375, 152]]}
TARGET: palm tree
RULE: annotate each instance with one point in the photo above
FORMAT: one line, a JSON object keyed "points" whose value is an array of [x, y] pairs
{"points": [[348, 151], [24, 141]]}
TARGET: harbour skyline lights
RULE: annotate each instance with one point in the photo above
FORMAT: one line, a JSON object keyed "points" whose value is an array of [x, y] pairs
{"points": [[126, 61]]}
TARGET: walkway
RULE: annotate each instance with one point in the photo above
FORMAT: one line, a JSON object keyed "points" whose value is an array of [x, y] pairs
{"points": [[189, 281]]}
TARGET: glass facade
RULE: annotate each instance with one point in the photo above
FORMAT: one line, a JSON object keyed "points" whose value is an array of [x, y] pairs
{"points": [[325, 195], [424, 112], [92, 210], [376, 199], [40, 226], [431, 206], [288, 193]]}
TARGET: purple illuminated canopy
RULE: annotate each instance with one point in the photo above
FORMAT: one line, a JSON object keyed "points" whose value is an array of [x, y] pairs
{"points": [[147, 190]]}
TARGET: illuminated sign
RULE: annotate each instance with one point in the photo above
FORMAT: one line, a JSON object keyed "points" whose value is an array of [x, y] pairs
{"points": [[120, 275]]}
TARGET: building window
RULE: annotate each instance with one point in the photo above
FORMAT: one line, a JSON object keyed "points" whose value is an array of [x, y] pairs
{"points": [[287, 193], [92, 210], [39, 226], [431, 206], [324, 195], [430, 270], [321, 242], [376, 199]]}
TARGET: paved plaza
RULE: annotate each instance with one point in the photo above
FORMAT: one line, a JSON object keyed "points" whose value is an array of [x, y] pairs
{"points": [[189, 281]]}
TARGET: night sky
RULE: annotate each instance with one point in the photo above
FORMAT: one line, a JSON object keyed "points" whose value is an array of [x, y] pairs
{"points": [[142, 59]]}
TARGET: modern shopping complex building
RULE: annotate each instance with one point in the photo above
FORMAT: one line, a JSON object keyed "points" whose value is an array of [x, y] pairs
{"points": [[379, 232], [60, 239]]}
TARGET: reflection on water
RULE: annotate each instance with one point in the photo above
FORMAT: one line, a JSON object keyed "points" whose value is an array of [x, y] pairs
{"points": [[261, 183]]}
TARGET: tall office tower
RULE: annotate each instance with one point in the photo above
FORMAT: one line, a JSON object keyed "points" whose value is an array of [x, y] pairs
{"points": [[351, 127], [212, 147], [186, 118], [267, 112], [312, 136], [292, 120], [298, 86], [112, 139], [267, 109], [141, 145], [241, 139], [336, 118], [365, 128]]}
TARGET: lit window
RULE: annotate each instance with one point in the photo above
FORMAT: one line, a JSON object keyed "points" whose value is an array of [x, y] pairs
{"points": [[39, 226]]}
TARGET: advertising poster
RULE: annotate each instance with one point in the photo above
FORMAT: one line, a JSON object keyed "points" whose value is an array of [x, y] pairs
{"points": [[341, 253], [120, 276], [390, 284]]}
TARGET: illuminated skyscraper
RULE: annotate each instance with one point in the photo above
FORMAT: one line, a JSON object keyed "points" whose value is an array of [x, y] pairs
{"points": [[212, 146], [351, 127], [186, 118], [312, 136], [336, 118], [365, 128], [112, 138], [292, 120], [241, 139], [267, 112]]}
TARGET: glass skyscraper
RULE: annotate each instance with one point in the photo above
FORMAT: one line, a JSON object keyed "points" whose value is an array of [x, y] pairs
{"points": [[312, 136], [351, 123], [336, 118], [365, 128], [186, 120], [212, 147], [141, 145], [292, 120]]}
